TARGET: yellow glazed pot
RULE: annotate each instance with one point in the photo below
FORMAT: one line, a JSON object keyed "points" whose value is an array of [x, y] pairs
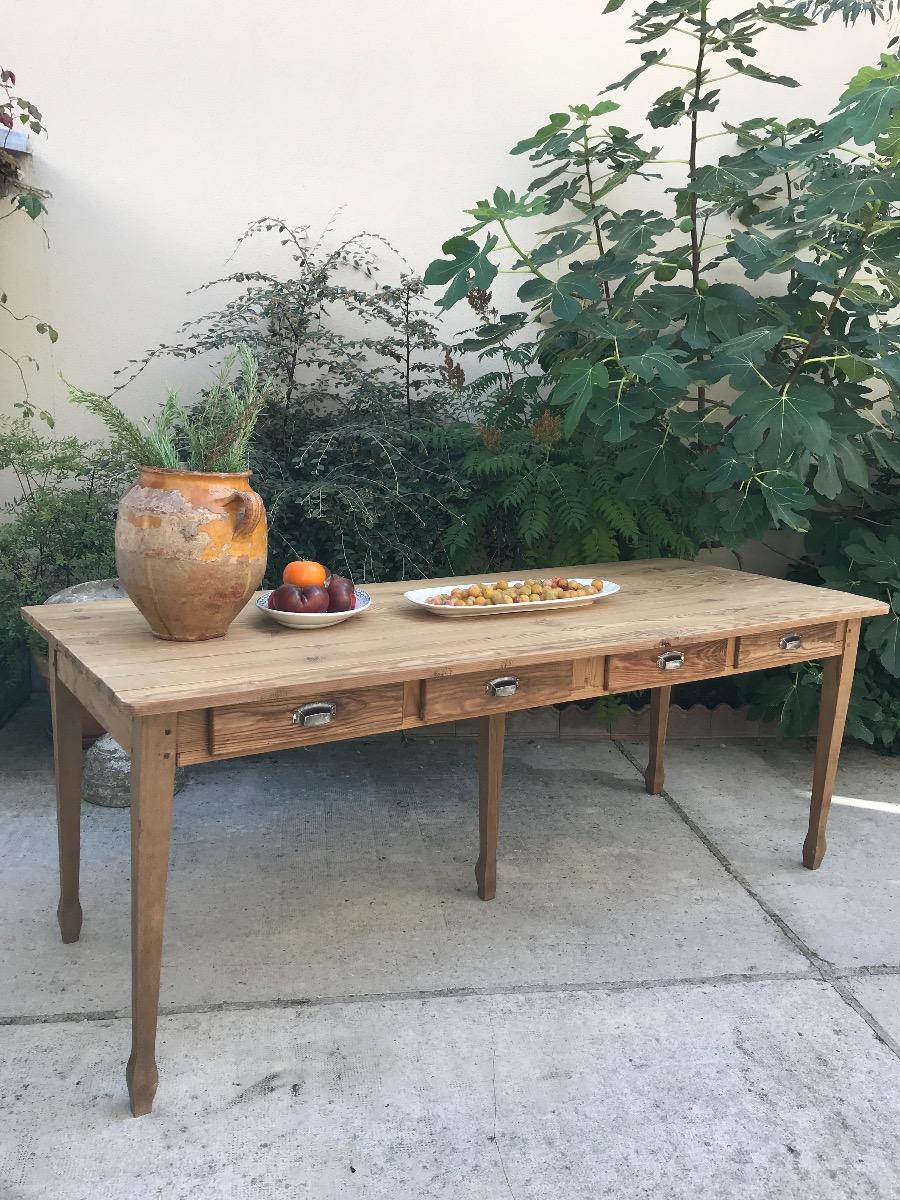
{"points": [[190, 549]]}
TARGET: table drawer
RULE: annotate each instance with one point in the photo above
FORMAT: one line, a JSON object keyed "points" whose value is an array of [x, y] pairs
{"points": [[310, 717], [666, 663], [792, 644], [458, 696]]}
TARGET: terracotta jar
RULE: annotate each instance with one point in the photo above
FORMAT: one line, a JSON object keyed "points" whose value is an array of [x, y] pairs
{"points": [[190, 549]]}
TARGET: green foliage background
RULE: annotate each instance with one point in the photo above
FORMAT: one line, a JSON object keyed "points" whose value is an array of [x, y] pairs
{"points": [[696, 372], [735, 351], [58, 531]]}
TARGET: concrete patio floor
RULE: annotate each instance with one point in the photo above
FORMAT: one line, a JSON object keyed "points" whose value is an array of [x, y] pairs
{"points": [[661, 1002]]}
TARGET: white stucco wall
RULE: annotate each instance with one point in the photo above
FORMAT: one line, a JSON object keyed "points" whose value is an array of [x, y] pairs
{"points": [[173, 124]]}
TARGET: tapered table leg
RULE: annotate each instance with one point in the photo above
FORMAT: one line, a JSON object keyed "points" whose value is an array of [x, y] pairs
{"points": [[837, 681], [492, 732], [659, 722], [152, 784], [68, 718]]}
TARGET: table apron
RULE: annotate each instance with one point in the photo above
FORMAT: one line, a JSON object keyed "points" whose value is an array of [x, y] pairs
{"points": [[231, 731]]}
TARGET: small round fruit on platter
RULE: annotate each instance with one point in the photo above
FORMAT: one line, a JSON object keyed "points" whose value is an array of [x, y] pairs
{"points": [[481, 599], [311, 598]]}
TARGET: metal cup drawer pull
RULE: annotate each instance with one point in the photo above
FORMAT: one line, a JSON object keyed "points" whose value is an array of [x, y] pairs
{"points": [[503, 685], [319, 712], [791, 641], [671, 661]]}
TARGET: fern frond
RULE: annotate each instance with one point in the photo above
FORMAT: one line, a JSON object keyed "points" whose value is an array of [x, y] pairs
{"points": [[515, 492], [661, 533], [483, 462], [618, 515], [534, 517], [599, 544], [571, 511]]}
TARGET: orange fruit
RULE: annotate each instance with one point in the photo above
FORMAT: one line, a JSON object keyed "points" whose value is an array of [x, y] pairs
{"points": [[304, 573]]}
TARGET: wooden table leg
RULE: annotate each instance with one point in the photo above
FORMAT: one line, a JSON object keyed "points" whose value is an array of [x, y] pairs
{"points": [[659, 722], [68, 717], [152, 785], [491, 735], [837, 680]]}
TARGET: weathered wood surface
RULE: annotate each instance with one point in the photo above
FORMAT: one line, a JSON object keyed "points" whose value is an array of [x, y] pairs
{"points": [[152, 782], [460, 696], [641, 668], [655, 776], [492, 734], [660, 600], [269, 725], [837, 681], [68, 722], [765, 650]]}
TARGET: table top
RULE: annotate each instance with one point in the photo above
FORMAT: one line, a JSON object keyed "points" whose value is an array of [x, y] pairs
{"points": [[661, 599]]}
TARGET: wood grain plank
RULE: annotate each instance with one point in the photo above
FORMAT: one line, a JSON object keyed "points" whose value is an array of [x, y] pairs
{"points": [[837, 682], [193, 737], [152, 785], [764, 649], [412, 702], [252, 728], [461, 696], [491, 735], [702, 660], [68, 720], [660, 600], [654, 776], [100, 702], [588, 677]]}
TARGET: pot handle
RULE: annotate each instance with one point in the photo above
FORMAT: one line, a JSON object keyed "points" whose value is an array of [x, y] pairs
{"points": [[250, 514]]}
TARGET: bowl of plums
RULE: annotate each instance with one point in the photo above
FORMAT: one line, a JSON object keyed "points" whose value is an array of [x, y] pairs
{"points": [[311, 597]]}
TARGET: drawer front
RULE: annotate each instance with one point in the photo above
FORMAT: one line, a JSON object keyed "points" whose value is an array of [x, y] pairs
{"points": [[666, 663], [474, 695], [303, 719], [791, 644]]}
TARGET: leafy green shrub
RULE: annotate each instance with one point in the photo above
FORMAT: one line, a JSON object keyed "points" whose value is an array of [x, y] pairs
{"points": [[855, 549], [741, 407], [733, 343], [58, 531], [536, 498], [362, 488], [535, 501], [347, 456]]}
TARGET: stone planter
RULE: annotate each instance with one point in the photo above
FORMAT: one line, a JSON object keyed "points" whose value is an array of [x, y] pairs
{"points": [[190, 549], [106, 778]]}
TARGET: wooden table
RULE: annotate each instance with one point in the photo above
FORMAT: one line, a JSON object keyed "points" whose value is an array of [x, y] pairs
{"points": [[265, 688]]}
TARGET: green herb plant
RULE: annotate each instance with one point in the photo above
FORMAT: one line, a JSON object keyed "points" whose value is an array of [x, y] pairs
{"points": [[212, 436]]}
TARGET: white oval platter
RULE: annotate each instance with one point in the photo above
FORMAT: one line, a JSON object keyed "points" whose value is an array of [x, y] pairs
{"points": [[419, 598], [314, 620]]}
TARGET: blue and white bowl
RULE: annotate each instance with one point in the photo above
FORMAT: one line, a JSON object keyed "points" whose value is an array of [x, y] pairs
{"points": [[314, 620]]}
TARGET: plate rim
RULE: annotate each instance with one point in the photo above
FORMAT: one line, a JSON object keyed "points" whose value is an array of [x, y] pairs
{"points": [[262, 603], [610, 588]]}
